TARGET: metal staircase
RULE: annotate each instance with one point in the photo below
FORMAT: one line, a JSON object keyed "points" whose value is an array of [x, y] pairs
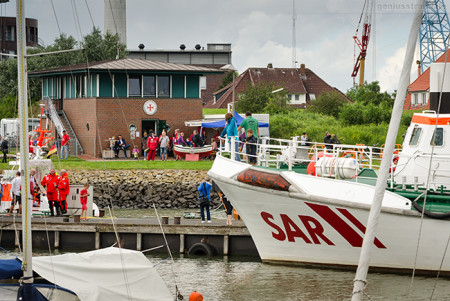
{"points": [[61, 123]]}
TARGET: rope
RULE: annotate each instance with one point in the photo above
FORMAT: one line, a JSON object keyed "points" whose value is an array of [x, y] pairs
{"points": [[428, 179], [50, 250], [168, 248], [125, 276], [440, 267]]}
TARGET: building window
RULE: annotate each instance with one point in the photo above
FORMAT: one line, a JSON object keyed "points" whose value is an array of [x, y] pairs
{"points": [[203, 82], [10, 33], [415, 99], [149, 84], [80, 86], [438, 137], [297, 97], [312, 96], [32, 34], [163, 86], [424, 98], [134, 85]]}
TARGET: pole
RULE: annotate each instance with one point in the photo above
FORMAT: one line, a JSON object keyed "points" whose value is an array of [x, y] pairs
{"points": [[364, 259], [24, 154], [233, 93]]}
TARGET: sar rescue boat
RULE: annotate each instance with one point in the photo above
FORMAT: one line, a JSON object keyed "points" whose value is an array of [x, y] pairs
{"points": [[318, 217]]}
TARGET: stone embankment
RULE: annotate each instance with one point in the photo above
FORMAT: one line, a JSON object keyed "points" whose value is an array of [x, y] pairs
{"points": [[135, 189]]}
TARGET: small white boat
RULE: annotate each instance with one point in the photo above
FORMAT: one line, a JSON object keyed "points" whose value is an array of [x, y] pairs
{"points": [[182, 151]]}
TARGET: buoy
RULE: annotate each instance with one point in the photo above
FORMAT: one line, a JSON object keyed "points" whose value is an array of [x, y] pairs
{"points": [[202, 249], [195, 296]]}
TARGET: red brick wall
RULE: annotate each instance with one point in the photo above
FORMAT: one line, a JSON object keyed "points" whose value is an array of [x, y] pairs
{"points": [[213, 81], [81, 112], [113, 116]]}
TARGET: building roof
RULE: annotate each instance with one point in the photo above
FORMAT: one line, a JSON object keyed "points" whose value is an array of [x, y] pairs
{"points": [[129, 65], [289, 78], [422, 84]]}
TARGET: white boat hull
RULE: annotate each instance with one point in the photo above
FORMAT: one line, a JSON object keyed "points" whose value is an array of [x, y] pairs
{"points": [[302, 228]]}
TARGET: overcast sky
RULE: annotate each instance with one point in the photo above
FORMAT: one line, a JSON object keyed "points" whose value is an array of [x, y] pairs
{"points": [[260, 31]]}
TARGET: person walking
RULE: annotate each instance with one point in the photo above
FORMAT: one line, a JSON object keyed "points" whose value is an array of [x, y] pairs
{"points": [[230, 130], [16, 194], [5, 147], [163, 143], [65, 145], [50, 183], [64, 189], [205, 199]]}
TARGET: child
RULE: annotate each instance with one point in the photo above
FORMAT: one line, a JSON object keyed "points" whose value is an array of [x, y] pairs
{"points": [[37, 197], [250, 142], [214, 144], [83, 199], [135, 153]]}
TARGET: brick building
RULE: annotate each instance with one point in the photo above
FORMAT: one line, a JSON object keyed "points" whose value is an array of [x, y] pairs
{"points": [[302, 84], [124, 97], [418, 96], [8, 34]]}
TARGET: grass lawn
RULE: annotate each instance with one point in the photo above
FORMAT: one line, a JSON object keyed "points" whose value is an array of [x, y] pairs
{"points": [[214, 111], [74, 163]]}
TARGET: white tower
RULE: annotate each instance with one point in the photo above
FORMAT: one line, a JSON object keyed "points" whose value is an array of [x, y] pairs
{"points": [[116, 18]]}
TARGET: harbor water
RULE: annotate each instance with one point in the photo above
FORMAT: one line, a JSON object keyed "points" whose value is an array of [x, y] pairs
{"points": [[246, 278]]}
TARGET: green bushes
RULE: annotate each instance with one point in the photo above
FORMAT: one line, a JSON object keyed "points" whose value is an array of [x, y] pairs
{"points": [[295, 122]]}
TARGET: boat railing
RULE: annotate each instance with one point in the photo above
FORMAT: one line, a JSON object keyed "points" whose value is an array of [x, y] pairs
{"points": [[285, 153]]}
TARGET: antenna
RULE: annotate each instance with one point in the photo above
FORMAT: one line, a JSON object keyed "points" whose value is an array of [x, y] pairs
{"points": [[294, 46]]}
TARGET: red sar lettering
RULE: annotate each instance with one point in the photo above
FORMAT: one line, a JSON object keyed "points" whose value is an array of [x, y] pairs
{"points": [[292, 230]]}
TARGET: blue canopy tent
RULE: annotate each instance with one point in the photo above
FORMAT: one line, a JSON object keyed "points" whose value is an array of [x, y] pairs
{"points": [[221, 123]]}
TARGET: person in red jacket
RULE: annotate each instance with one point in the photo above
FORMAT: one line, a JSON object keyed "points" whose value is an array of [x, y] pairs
{"points": [[63, 188], [152, 144], [50, 183]]}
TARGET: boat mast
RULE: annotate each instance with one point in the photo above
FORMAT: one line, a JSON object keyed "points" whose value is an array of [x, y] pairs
{"points": [[22, 82], [380, 188]]}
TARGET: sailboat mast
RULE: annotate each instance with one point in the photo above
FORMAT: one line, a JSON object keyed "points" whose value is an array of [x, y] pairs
{"points": [[380, 188], [22, 82]]}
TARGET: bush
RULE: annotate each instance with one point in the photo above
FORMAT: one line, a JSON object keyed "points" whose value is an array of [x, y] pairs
{"points": [[328, 103]]}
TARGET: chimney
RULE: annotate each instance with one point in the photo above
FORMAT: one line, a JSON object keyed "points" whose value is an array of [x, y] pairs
{"points": [[269, 66], [302, 70]]}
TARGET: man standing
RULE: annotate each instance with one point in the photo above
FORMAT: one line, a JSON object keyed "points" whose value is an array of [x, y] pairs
{"points": [[65, 145], [15, 190], [4, 148], [123, 145], [327, 141], [64, 190], [50, 183], [250, 123]]}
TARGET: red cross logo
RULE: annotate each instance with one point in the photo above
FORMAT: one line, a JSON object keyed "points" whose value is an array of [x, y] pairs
{"points": [[150, 107]]}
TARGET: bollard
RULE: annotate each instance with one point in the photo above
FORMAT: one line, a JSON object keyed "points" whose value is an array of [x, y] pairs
{"points": [[176, 220], [164, 220]]}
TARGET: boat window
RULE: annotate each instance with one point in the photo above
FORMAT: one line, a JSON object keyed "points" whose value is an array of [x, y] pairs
{"points": [[149, 85], [134, 86], [415, 135], [163, 86], [438, 137]]}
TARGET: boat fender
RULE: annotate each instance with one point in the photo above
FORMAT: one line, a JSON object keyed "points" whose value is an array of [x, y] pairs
{"points": [[202, 249], [263, 179], [437, 215], [195, 296]]}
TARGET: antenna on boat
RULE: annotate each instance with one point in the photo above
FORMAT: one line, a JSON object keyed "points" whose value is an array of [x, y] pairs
{"points": [[364, 259]]}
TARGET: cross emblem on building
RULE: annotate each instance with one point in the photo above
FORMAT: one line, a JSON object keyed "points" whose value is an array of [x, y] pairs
{"points": [[150, 107]]}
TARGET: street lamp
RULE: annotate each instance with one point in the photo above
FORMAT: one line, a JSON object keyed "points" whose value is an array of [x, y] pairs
{"points": [[230, 67]]}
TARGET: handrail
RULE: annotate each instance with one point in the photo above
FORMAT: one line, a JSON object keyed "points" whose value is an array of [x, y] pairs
{"points": [[77, 142]]}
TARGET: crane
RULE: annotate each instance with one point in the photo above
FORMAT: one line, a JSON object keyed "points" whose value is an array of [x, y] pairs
{"points": [[364, 42]]}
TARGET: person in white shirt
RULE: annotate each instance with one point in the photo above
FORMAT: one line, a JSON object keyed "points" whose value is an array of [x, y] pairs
{"points": [[15, 190]]}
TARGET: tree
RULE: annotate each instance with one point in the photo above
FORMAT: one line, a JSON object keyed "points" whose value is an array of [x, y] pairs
{"points": [[228, 78], [260, 99], [328, 103], [100, 48], [370, 93]]}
